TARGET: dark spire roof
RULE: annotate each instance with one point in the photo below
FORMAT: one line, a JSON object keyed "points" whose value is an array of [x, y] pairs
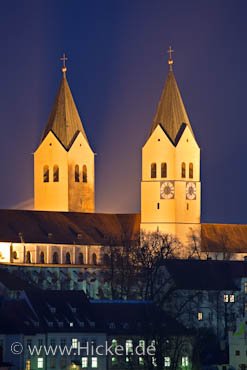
{"points": [[64, 120], [171, 113]]}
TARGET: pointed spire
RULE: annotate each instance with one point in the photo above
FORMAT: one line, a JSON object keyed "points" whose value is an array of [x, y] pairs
{"points": [[64, 120], [171, 113]]}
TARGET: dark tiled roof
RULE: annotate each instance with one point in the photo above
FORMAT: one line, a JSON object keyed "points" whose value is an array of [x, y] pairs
{"points": [[17, 317], [66, 227], [13, 282], [64, 120], [222, 237], [206, 274], [61, 310], [171, 113], [133, 317], [99, 228], [45, 311]]}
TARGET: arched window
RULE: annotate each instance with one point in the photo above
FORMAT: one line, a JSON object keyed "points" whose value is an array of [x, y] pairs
{"points": [[84, 173], [77, 173], [81, 258], [28, 257], [191, 170], [94, 259], [55, 173], [55, 258], [106, 259], [153, 171], [42, 257], [183, 170], [163, 169], [46, 174], [67, 258]]}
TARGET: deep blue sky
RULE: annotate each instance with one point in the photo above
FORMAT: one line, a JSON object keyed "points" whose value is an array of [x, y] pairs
{"points": [[116, 70]]}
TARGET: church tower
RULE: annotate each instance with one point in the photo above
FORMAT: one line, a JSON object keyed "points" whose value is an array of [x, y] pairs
{"points": [[64, 160], [171, 188]]}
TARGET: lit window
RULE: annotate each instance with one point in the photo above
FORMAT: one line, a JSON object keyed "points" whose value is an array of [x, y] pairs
{"points": [[167, 361], [232, 298], [127, 359], [141, 361], [142, 343], [71, 324], [245, 287], [74, 343], [199, 316], [84, 362], [129, 346], [40, 362], [185, 361], [114, 361], [28, 365], [94, 362], [154, 363], [226, 298], [153, 171]]}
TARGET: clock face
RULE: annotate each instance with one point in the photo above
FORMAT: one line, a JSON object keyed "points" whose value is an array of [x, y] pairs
{"points": [[191, 190], [167, 190]]}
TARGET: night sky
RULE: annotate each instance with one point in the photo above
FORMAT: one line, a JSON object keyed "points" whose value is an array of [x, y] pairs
{"points": [[116, 70]]}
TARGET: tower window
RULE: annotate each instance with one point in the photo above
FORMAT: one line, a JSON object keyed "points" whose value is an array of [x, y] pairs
{"points": [[45, 174], [55, 173], [164, 169], [77, 173], [191, 170], [158, 206], [67, 258], [153, 171], [84, 173], [183, 170]]}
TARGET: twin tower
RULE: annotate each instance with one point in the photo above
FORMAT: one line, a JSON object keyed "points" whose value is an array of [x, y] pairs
{"points": [[64, 175]]}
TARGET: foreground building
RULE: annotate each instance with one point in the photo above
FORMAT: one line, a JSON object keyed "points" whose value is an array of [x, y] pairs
{"points": [[62, 330]]}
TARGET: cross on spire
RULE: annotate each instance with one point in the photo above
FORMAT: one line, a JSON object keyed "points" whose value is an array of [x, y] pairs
{"points": [[170, 60], [64, 59]]}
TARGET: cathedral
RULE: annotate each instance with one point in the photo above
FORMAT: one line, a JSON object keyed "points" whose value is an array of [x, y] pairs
{"points": [[64, 238]]}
